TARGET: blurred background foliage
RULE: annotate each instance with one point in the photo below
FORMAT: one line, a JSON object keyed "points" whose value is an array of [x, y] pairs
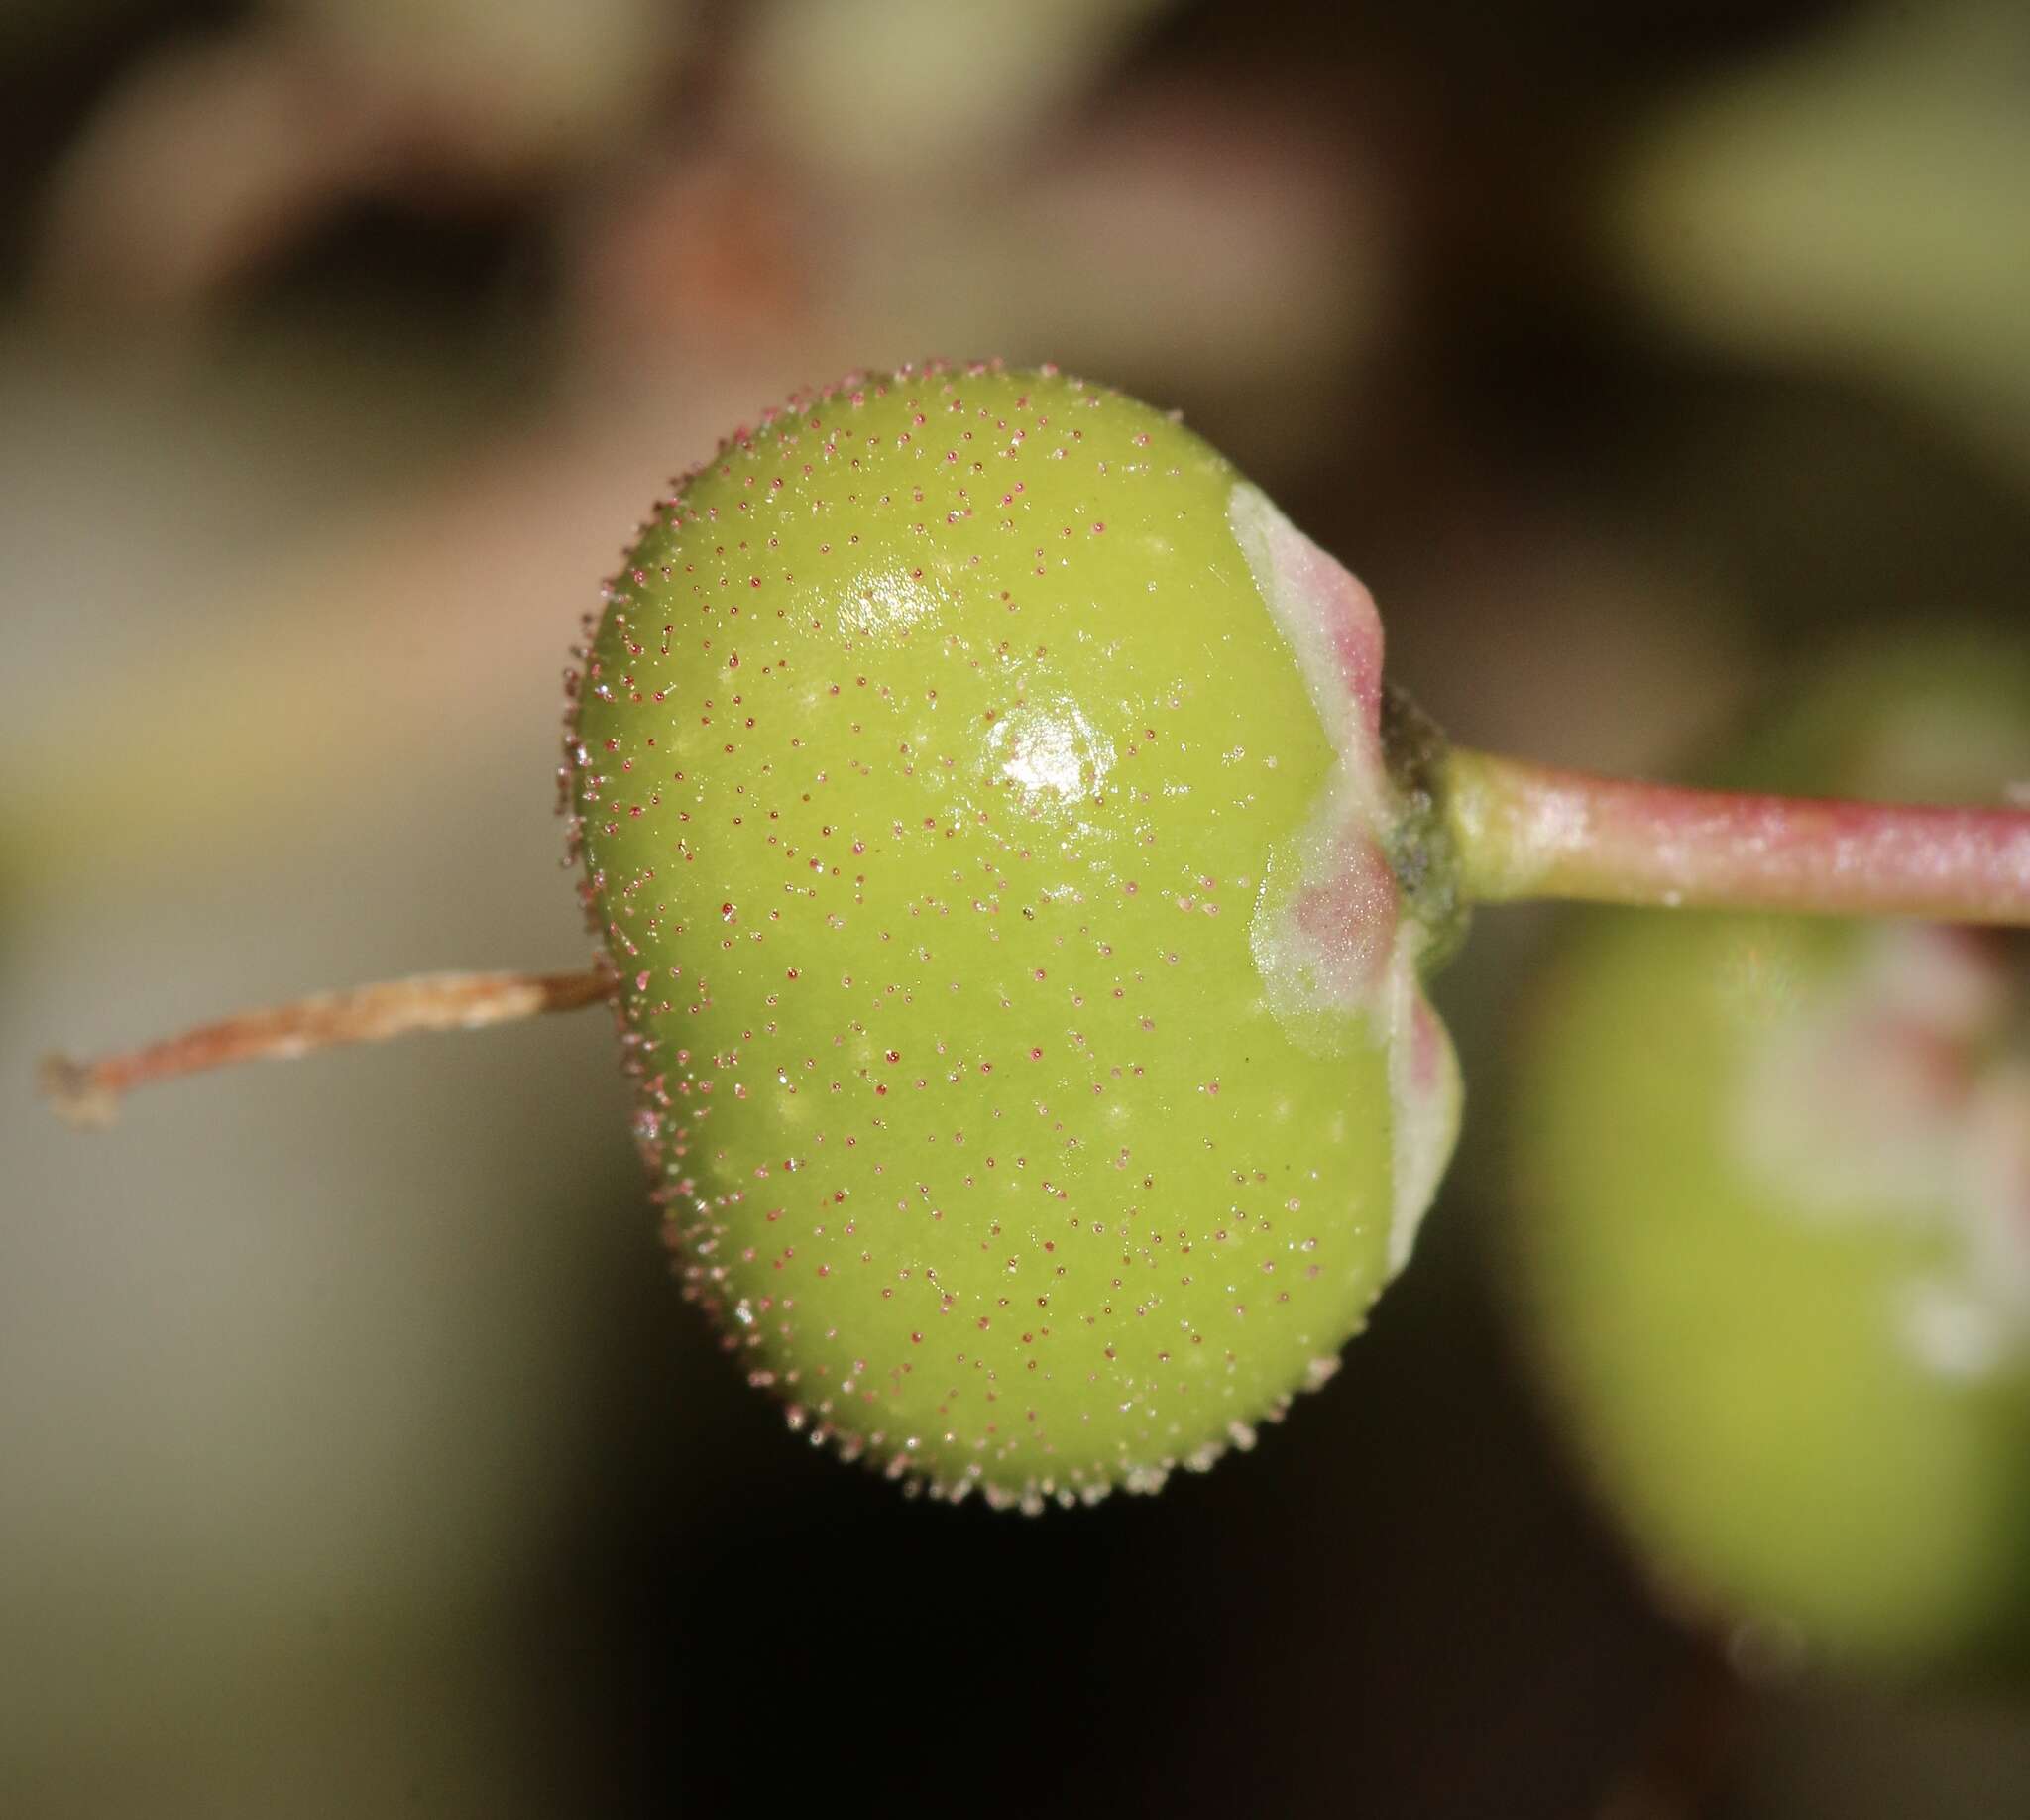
{"points": [[355, 1451]]}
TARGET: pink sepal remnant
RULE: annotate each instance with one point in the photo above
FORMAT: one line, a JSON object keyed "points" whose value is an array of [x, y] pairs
{"points": [[1334, 632], [1426, 1092], [1329, 937]]}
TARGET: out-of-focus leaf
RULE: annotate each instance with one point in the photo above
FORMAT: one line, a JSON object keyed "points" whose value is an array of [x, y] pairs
{"points": [[894, 90], [1863, 203]]}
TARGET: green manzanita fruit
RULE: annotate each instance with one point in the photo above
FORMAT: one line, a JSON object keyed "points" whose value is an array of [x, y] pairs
{"points": [[983, 799], [1775, 1232]]}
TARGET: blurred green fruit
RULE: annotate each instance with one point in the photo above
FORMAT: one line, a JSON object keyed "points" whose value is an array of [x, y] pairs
{"points": [[981, 798], [1775, 1225]]}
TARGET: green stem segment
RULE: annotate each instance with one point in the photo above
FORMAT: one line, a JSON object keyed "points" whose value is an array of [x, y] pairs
{"points": [[1522, 831]]}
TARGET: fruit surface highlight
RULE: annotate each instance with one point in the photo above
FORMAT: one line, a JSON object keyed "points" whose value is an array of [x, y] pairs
{"points": [[1775, 1244], [981, 795]]}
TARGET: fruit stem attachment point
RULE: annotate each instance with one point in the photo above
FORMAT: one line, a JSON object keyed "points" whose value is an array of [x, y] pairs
{"points": [[1525, 830], [88, 1093]]}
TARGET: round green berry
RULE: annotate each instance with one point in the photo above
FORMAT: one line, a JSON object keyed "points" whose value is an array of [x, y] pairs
{"points": [[981, 800], [1777, 1232]]}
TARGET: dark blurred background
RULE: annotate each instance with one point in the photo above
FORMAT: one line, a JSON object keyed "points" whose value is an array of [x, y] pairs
{"points": [[357, 1455]]}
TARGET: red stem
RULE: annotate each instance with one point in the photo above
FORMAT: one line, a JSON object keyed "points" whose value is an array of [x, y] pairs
{"points": [[87, 1092], [1529, 831]]}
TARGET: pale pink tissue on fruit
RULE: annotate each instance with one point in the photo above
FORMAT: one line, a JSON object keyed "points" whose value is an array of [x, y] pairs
{"points": [[1326, 935], [1896, 1100], [1425, 1093], [1331, 624], [1342, 920], [1325, 927]]}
